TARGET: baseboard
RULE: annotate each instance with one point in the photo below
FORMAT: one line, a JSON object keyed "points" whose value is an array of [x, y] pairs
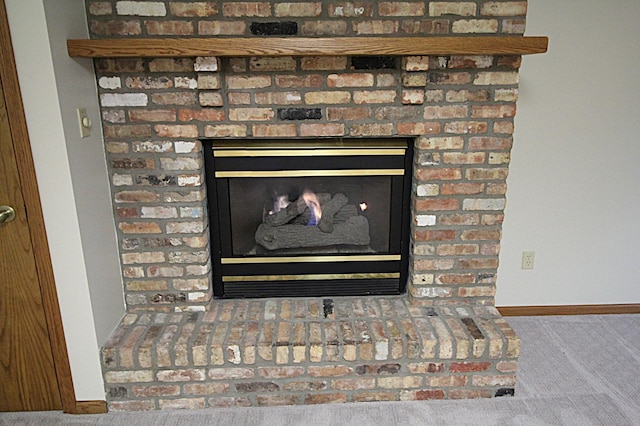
{"points": [[517, 311], [91, 407]]}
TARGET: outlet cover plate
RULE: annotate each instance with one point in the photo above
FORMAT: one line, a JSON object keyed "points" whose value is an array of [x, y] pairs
{"points": [[528, 259]]}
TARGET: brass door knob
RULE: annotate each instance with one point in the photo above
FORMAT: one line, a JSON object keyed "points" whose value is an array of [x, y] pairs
{"points": [[7, 214]]}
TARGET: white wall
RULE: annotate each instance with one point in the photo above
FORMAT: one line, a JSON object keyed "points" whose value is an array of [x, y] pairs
{"points": [[72, 180], [76, 86], [573, 193]]}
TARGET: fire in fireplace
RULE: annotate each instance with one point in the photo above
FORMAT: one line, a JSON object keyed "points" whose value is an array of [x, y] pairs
{"points": [[309, 217]]}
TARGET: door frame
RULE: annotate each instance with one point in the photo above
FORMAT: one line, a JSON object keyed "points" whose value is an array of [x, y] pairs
{"points": [[26, 171]]}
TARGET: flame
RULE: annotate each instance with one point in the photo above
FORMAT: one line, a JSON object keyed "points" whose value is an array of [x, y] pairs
{"points": [[363, 206], [282, 201], [311, 200]]}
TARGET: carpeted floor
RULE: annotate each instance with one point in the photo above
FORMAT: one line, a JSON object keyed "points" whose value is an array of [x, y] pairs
{"points": [[574, 370]]}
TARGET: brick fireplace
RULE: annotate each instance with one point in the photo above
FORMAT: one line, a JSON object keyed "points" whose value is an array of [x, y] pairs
{"points": [[180, 347]]}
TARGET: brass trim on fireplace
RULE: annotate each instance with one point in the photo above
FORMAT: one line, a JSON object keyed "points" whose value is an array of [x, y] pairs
{"points": [[301, 259], [305, 173], [310, 277], [306, 152], [309, 144]]}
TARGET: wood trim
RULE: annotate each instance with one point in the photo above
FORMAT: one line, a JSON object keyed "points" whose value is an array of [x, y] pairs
{"points": [[306, 46], [26, 170], [91, 407], [516, 311]]}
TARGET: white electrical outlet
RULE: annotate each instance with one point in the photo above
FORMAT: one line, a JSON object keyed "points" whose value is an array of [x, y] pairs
{"points": [[528, 259]]}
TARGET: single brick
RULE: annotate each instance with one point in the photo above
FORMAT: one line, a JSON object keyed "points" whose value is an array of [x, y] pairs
{"points": [[274, 130], [398, 8], [262, 63], [115, 28], [177, 28], [324, 28], [468, 26], [373, 62], [452, 8], [141, 8], [173, 98], [221, 27], [243, 9], [140, 228], [193, 9], [245, 82], [420, 128], [328, 129], [375, 27], [512, 8], [299, 113], [123, 99], [302, 9], [278, 98], [274, 28]]}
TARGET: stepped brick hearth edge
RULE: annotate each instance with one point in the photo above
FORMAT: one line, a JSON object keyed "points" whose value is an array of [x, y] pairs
{"points": [[177, 346], [308, 351]]}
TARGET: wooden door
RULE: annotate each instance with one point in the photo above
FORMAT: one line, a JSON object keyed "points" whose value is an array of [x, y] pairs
{"points": [[27, 374], [34, 365]]}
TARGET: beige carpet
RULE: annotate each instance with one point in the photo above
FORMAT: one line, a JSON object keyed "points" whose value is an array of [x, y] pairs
{"points": [[574, 370]]}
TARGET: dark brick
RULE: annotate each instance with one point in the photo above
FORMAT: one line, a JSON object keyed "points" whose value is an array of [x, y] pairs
{"points": [[373, 62], [435, 367], [439, 62], [505, 392], [299, 113], [157, 242], [378, 369], [422, 395], [274, 28], [168, 298], [437, 77], [428, 158], [257, 387], [127, 212], [109, 361], [119, 65], [157, 180], [117, 392], [447, 77], [130, 243], [130, 163], [327, 305], [473, 328], [192, 317], [482, 277]]}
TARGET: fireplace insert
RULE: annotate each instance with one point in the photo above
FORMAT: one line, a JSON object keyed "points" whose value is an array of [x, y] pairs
{"points": [[322, 217]]}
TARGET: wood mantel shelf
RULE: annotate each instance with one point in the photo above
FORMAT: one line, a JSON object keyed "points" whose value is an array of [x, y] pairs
{"points": [[306, 46]]}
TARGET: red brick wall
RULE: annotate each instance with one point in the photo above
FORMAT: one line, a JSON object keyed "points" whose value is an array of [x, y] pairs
{"points": [[459, 109]]}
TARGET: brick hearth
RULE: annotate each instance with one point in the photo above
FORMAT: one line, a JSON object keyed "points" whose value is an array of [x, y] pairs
{"points": [[179, 347], [308, 351]]}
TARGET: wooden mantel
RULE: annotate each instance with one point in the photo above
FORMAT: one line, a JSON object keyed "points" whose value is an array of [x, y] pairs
{"points": [[306, 46]]}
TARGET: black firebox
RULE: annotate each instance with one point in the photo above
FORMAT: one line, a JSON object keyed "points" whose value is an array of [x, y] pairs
{"points": [[321, 217]]}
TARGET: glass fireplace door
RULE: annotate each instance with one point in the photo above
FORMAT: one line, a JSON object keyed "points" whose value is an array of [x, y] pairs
{"points": [[275, 216], [310, 218]]}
